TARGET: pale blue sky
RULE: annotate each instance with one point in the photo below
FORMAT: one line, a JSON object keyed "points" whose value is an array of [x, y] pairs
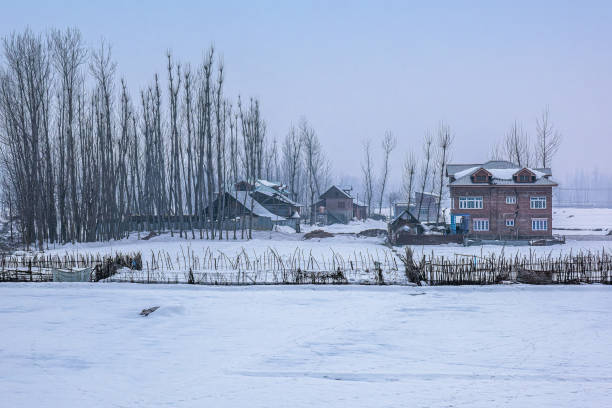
{"points": [[355, 69]]}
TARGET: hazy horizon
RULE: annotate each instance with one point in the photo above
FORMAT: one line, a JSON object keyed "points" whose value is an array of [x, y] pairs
{"points": [[357, 69]]}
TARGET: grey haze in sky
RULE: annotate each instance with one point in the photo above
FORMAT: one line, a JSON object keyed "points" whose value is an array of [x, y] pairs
{"points": [[357, 69]]}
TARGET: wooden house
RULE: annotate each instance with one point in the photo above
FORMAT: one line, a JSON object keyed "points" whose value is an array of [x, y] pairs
{"points": [[267, 203], [337, 205], [275, 198]]}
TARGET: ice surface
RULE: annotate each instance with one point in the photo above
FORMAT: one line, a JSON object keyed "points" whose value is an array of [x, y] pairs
{"points": [[68, 345], [582, 221]]}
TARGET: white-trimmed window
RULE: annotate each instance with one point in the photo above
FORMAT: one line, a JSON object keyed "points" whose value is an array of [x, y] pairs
{"points": [[470, 203], [509, 222], [539, 224], [510, 199], [481, 224], [538, 203]]}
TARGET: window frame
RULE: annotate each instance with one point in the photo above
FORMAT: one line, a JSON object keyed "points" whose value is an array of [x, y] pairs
{"points": [[539, 224], [537, 199], [478, 224], [509, 222], [463, 202], [511, 199]]}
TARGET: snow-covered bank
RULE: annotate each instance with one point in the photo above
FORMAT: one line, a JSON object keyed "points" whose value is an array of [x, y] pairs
{"points": [[518, 346], [582, 221], [322, 249]]}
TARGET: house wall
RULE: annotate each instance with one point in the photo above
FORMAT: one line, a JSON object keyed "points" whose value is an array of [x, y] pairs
{"points": [[360, 212], [341, 208], [497, 211]]}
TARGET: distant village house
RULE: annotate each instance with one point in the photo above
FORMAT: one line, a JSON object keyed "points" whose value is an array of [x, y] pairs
{"points": [[500, 199], [337, 205], [266, 203]]}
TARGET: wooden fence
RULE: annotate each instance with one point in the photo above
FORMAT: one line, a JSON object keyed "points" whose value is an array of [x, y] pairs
{"points": [[39, 267], [302, 267], [266, 267], [589, 267]]}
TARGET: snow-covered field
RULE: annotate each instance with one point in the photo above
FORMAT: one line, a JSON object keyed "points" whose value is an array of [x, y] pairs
{"points": [[68, 345], [582, 221], [180, 252], [287, 244]]}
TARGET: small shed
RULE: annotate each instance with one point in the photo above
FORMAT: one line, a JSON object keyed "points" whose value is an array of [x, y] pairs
{"points": [[405, 224]]}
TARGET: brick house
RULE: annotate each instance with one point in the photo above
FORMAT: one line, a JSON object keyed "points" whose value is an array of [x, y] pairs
{"points": [[337, 205], [499, 199]]}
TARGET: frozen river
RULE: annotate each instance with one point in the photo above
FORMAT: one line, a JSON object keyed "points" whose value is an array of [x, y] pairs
{"points": [[513, 346]]}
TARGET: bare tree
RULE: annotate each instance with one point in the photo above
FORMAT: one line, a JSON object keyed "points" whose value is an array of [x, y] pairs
{"points": [[291, 160], [548, 140], [445, 141], [408, 177], [176, 152], [388, 144], [68, 56], [516, 145], [314, 163], [188, 118], [427, 153], [253, 134], [367, 171], [497, 152], [220, 130]]}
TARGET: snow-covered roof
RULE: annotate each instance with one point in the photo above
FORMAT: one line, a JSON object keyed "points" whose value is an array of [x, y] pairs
{"points": [[258, 209], [268, 183], [347, 195], [404, 215], [276, 190], [502, 172], [427, 193], [466, 172]]}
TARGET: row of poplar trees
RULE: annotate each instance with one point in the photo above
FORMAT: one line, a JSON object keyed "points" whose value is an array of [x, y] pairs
{"points": [[80, 155]]}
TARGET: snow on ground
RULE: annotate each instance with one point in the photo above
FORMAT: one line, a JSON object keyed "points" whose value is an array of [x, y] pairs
{"points": [[287, 244], [582, 221], [353, 227], [502, 346], [284, 244], [571, 246]]}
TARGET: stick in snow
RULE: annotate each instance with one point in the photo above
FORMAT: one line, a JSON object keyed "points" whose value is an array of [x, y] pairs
{"points": [[146, 312]]}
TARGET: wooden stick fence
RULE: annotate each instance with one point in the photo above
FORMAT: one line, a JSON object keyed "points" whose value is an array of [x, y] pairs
{"points": [[39, 267], [382, 266], [583, 267]]}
